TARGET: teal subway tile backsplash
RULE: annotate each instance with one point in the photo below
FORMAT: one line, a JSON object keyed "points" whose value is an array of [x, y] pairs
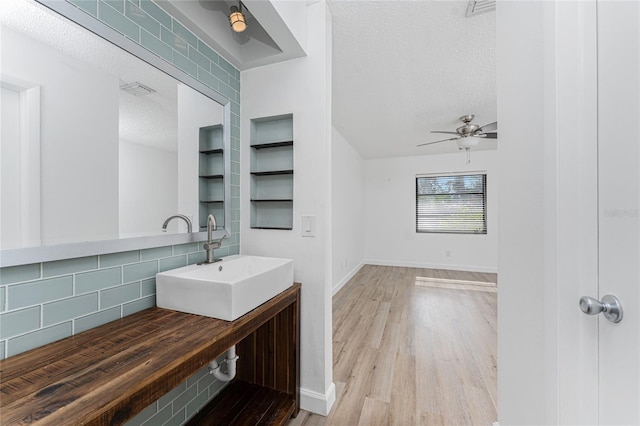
{"points": [[67, 309], [172, 263], [119, 295], [200, 60], [208, 79], [15, 274], [184, 33], [139, 271], [235, 84], [178, 418], [221, 75], [230, 69], [19, 322], [208, 52], [33, 293], [96, 319], [186, 396], [172, 394], [156, 12], [139, 305], [41, 337], [116, 4], [174, 41], [118, 21], [98, 280], [155, 45], [235, 107], [196, 403], [156, 253], [148, 287], [196, 257], [122, 258], [75, 295], [141, 18], [91, 7], [185, 248], [185, 64], [62, 267]]}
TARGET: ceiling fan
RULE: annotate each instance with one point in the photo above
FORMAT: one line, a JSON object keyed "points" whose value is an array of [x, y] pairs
{"points": [[468, 135]]}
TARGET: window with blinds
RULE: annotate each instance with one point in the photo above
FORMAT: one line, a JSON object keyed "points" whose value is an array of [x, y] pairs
{"points": [[452, 204]]}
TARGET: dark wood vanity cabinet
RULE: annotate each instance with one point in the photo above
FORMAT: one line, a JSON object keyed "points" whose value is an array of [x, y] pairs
{"points": [[106, 375], [265, 391]]}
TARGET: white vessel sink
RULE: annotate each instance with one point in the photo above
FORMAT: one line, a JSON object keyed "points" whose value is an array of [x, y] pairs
{"points": [[225, 290]]}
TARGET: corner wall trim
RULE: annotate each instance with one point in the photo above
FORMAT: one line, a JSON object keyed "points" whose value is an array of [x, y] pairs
{"points": [[336, 288], [316, 402]]}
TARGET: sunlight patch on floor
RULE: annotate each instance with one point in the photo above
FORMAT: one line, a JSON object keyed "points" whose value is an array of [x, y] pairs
{"points": [[456, 284]]}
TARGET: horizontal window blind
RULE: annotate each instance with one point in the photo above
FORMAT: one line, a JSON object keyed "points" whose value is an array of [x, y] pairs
{"points": [[451, 204]]}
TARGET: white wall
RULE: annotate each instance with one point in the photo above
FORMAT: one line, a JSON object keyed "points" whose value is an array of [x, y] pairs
{"points": [[79, 140], [390, 236], [301, 87], [347, 210], [145, 173]]}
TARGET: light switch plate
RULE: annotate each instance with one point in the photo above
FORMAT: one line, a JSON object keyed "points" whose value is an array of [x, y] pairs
{"points": [[308, 226]]}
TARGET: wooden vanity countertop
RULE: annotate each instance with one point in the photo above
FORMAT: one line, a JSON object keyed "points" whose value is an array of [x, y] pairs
{"points": [[106, 375]]}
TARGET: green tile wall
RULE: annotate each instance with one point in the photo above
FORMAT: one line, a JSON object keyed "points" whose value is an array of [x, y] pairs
{"points": [[44, 302], [38, 310]]}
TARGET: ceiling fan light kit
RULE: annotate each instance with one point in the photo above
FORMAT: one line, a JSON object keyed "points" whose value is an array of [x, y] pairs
{"points": [[468, 142], [237, 19], [468, 135]]}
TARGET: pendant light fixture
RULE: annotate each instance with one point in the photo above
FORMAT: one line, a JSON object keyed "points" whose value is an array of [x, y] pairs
{"points": [[236, 19]]}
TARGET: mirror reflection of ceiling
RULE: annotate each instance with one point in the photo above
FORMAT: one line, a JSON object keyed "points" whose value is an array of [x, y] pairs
{"points": [[148, 120]]}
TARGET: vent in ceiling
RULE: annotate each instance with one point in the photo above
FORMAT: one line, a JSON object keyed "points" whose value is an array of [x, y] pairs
{"points": [[137, 89], [476, 7]]}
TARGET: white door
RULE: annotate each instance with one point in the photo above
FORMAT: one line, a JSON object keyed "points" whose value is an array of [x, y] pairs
{"points": [[619, 208]]}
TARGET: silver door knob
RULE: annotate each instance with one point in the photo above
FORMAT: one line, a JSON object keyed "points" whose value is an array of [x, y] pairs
{"points": [[610, 307]]}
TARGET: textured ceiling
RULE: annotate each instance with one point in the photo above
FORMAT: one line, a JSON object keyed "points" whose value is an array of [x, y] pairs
{"points": [[400, 70], [404, 68]]}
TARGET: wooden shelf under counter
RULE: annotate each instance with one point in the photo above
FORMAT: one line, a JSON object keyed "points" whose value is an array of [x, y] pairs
{"points": [[106, 375]]}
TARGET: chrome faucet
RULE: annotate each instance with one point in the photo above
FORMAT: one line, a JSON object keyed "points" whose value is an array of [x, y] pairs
{"points": [[212, 244], [177, 216]]}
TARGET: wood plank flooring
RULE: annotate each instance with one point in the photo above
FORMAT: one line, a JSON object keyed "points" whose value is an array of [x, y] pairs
{"points": [[410, 354]]}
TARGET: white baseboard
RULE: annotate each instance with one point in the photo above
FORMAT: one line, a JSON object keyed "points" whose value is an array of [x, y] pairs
{"points": [[405, 264], [316, 402], [343, 281]]}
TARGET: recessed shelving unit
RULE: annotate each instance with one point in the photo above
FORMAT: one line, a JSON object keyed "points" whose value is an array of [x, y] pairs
{"points": [[272, 172], [211, 175]]}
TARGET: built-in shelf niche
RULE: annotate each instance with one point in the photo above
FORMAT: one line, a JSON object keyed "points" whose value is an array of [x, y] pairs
{"points": [[211, 175], [272, 172]]}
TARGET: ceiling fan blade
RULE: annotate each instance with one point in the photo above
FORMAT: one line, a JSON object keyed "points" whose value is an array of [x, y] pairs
{"points": [[444, 140], [442, 131], [490, 127], [491, 135]]}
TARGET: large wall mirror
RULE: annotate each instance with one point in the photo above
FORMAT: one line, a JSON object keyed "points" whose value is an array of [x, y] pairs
{"points": [[100, 140]]}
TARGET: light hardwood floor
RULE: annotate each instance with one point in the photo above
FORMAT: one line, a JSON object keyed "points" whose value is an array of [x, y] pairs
{"points": [[407, 354]]}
